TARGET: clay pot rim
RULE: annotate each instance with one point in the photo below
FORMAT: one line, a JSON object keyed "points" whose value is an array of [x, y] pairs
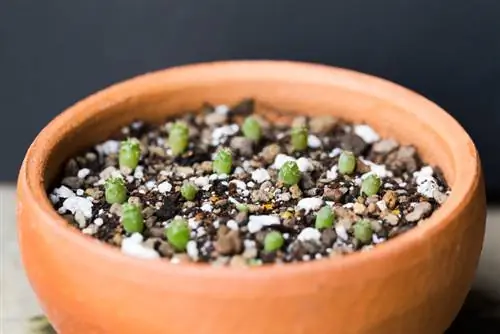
{"points": [[464, 155]]}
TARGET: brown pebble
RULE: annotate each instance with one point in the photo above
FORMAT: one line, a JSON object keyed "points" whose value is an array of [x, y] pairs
{"points": [[72, 182], [361, 167], [229, 243], [322, 124], [150, 221], [270, 152], [390, 198], [238, 261], [156, 150], [71, 167], [242, 145], [419, 211], [371, 208], [295, 191], [117, 239], [353, 143], [252, 208], [152, 242], [376, 226], [213, 119], [156, 232], [250, 253], [328, 237], [165, 249], [206, 166], [359, 208], [221, 202], [95, 193], [391, 219], [385, 146], [116, 209]]}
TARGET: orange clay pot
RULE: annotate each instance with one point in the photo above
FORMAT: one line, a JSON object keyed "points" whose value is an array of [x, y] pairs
{"points": [[415, 283]]}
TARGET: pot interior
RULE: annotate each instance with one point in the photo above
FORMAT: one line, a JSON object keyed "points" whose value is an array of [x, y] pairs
{"points": [[104, 114]]}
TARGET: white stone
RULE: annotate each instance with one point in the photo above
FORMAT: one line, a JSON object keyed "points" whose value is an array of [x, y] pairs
{"points": [[309, 234], [239, 184], [82, 204], [310, 203], [108, 147], [256, 222], [164, 187], [64, 192], [313, 141], [280, 160], [201, 181], [335, 152], [426, 183], [193, 223], [221, 133], [133, 246], [83, 173], [260, 175], [341, 232], [380, 170], [207, 207], [232, 224], [366, 133], [98, 221], [192, 249], [139, 172], [304, 165], [381, 205], [150, 185], [80, 192], [221, 109], [332, 174]]}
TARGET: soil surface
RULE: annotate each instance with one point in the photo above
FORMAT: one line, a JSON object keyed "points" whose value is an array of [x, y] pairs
{"points": [[232, 214]]}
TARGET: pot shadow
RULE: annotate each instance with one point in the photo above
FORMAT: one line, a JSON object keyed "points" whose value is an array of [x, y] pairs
{"points": [[481, 313]]}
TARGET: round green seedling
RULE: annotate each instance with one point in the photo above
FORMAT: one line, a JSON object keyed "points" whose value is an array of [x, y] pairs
{"points": [[130, 153], [347, 163], [363, 231], [289, 173], [371, 185], [132, 219], [115, 190], [273, 241], [324, 218], [223, 162], [178, 234], [178, 138], [298, 138], [189, 191], [251, 129]]}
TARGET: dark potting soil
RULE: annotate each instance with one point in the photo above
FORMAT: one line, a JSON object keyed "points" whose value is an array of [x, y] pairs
{"points": [[233, 213]]}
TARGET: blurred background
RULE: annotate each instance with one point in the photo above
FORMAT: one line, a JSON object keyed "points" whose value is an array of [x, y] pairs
{"points": [[55, 52]]}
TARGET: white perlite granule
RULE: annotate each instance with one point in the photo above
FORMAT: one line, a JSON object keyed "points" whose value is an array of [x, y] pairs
{"points": [[309, 234], [133, 246], [309, 203], [79, 204], [164, 187], [366, 133], [260, 175], [256, 223]]}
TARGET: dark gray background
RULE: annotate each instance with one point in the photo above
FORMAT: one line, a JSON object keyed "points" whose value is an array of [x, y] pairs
{"points": [[54, 52]]}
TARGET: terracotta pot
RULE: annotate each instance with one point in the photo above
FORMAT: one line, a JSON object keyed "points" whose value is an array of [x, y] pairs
{"points": [[415, 283]]}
